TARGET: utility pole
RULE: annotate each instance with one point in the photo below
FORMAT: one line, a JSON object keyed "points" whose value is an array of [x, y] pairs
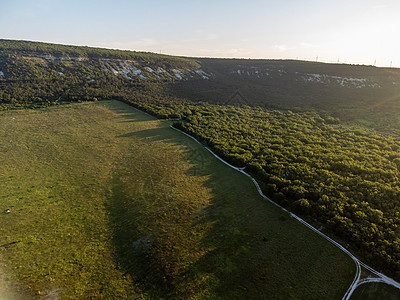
{"points": [[391, 63], [375, 62], [316, 58]]}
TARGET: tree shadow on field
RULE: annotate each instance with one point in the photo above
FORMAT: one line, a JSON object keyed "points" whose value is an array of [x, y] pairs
{"points": [[156, 230], [129, 113], [150, 135], [134, 116], [174, 244]]}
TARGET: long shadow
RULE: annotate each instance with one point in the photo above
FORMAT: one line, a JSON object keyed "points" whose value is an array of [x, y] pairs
{"points": [[135, 246], [129, 113], [133, 117], [226, 243], [156, 134], [137, 240], [237, 247], [132, 247]]}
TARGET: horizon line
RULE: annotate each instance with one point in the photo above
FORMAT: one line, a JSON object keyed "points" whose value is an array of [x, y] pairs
{"points": [[210, 57]]}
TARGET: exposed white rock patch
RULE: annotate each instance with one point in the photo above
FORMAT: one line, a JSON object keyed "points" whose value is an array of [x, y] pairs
{"points": [[177, 73], [136, 71], [130, 68], [52, 58], [105, 68], [271, 72], [374, 85], [1, 74], [258, 72], [342, 81], [202, 74], [148, 69], [79, 58], [312, 77], [122, 67], [281, 72], [48, 57], [160, 70], [113, 70], [126, 68]]}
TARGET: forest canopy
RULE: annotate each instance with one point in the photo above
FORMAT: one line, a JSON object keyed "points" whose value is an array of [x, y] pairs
{"points": [[342, 176]]}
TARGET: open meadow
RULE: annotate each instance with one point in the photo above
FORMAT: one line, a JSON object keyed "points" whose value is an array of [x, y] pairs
{"points": [[108, 202]]}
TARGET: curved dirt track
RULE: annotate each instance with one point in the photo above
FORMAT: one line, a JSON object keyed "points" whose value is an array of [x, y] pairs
{"points": [[359, 264]]}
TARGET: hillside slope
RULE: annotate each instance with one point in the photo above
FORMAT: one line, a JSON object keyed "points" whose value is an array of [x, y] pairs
{"points": [[32, 72], [37, 72], [364, 94], [22, 60]]}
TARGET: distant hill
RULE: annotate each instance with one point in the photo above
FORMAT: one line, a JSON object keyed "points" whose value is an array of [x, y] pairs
{"points": [[310, 148], [351, 92], [356, 93], [34, 60]]}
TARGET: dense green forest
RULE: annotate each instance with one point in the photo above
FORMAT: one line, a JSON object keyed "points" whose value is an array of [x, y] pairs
{"points": [[344, 178], [347, 179], [313, 146]]}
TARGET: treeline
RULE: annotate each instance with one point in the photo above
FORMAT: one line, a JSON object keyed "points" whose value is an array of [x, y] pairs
{"points": [[346, 179], [35, 93], [28, 48]]}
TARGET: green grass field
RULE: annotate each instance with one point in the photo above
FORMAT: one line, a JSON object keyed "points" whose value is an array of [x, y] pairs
{"points": [[108, 202]]}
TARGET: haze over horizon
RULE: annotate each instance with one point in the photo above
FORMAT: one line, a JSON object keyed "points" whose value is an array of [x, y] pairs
{"points": [[357, 32]]}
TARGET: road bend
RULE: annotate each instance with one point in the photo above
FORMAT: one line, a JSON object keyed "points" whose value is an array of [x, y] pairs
{"points": [[357, 281]]}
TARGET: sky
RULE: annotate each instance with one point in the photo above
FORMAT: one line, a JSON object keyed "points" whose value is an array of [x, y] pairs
{"points": [[352, 31]]}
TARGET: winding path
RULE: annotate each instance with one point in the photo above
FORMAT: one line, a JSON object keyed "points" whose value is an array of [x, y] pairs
{"points": [[357, 281]]}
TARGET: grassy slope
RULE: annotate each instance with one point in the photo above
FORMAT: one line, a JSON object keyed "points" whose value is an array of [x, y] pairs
{"points": [[109, 202]]}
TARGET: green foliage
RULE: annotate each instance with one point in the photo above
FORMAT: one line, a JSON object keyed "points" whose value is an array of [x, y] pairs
{"points": [[346, 177], [275, 84], [108, 203]]}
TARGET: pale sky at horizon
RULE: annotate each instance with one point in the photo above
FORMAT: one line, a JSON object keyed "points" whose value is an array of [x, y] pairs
{"points": [[352, 31]]}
